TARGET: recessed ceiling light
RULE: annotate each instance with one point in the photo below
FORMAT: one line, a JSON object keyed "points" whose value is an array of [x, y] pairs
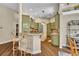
{"points": [[30, 9]]}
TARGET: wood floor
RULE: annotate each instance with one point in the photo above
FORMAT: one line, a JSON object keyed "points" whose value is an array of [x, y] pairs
{"points": [[47, 50], [6, 49]]}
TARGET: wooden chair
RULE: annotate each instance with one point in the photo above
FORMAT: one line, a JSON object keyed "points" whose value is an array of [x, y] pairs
{"points": [[16, 48], [14, 44], [23, 52], [73, 47], [21, 38]]}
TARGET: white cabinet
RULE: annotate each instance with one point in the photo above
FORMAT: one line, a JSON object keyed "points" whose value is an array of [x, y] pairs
{"points": [[36, 44], [31, 43]]}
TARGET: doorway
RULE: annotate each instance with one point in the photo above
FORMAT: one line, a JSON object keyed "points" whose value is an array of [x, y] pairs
{"points": [[53, 31], [17, 30]]}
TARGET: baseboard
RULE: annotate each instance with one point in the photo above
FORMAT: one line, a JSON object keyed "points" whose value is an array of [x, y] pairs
{"points": [[7, 41]]}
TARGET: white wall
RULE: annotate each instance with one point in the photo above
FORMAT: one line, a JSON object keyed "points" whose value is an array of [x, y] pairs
{"points": [[7, 21], [44, 33], [64, 19]]}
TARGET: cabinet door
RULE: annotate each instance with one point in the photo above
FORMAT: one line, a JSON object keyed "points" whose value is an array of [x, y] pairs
{"points": [[25, 23], [36, 43], [30, 42], [26, 43], [55, 40], [49, 29], [23, 42]]}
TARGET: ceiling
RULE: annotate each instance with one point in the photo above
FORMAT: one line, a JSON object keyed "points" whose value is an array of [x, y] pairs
{"points": [[41, 10], [12, 6]]}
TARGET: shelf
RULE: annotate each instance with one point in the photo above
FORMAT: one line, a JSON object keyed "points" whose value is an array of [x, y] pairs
{"points": [[71, 12], [73, 29], [77, 47]]}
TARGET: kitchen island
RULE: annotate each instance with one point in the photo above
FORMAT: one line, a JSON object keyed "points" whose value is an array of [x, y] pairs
{"points": [[31, 43]]}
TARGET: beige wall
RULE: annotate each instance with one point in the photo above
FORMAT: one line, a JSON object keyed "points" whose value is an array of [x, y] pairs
{"points": [[7, 22]]}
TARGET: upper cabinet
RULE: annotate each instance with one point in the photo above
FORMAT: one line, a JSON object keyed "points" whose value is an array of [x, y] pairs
{"points": [[28, 25], [69, 8], [53, 26], [25, 23]]}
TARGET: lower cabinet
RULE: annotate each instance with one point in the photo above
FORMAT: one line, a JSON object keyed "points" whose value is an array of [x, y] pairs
{"points": [[55, 40], [31, 43]]}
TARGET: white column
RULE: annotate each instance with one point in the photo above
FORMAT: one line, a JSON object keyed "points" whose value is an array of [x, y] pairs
{"points": [[44, 34], [20, 18]]}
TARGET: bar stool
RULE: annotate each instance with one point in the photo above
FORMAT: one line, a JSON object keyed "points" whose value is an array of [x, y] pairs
{"points": [[73, 47], [14, 44], [22, 50]]}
